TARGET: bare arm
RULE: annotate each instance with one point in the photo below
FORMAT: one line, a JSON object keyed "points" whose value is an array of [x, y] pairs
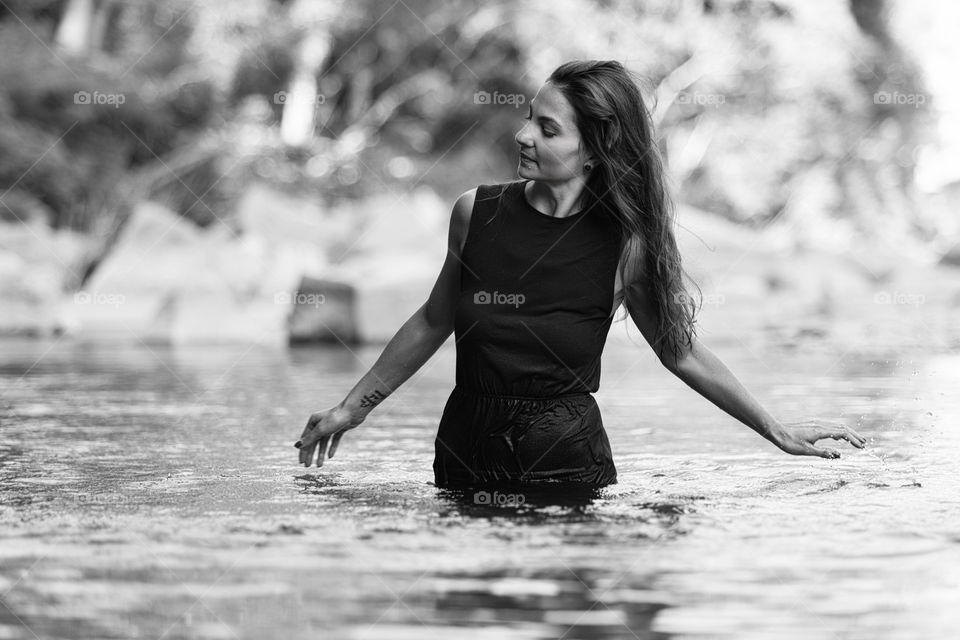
{"points": [[409, 349], [703, 372]]}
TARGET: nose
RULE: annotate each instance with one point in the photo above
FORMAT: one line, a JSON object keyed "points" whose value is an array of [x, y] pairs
{"points": [[522, 138]]}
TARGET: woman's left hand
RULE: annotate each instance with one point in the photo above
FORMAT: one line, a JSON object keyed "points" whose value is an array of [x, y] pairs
{"points": [[799, 438]]}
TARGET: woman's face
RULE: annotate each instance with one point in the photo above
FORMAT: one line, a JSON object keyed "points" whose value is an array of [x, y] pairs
{"points": [[549, 140]]}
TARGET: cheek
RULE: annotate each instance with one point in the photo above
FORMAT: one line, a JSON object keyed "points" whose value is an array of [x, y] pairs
{"points": [[562, 152]]}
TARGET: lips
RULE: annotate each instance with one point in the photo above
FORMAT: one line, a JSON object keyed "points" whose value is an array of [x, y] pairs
{"points": [[526, 157]]}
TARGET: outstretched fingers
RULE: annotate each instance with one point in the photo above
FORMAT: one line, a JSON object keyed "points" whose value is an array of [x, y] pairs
{"points": [[840, 431], [837, 431], [308, 442], [336, 442], [321, 450], [306, 453], [858, 440], [803, 438], [850, 436]]}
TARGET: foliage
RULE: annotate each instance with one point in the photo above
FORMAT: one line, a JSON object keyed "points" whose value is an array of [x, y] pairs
{"points": [[760, 103]]}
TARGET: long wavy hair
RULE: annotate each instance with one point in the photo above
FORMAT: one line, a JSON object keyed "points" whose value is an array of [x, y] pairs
{"points": [[629, 183]]}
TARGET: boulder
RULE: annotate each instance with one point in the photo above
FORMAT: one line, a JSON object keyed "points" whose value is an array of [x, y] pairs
{"points": [[155, 254], [166, 280], [755, 281], [36, 265], [951, 258], [394, 263], [323, 310], [388, 290], [279, 219], [384, 275], [404, 223]]}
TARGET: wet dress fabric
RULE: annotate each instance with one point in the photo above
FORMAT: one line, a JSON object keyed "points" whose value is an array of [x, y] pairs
{"points": [[535, 306]]}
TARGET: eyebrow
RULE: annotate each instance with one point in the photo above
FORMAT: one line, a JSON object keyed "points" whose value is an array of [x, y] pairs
{"points": [[545, 118]]}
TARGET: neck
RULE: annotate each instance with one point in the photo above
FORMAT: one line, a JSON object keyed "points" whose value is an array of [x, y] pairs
{"points": [[557, 200]]}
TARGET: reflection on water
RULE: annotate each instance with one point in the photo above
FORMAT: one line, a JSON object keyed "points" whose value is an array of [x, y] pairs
{"points": [[148, 492]]}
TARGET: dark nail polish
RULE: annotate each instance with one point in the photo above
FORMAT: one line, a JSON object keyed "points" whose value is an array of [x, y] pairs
{"points": [[297, 444]]}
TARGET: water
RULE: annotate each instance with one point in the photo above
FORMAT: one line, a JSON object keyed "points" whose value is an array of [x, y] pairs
{"points": [[152, 492]]}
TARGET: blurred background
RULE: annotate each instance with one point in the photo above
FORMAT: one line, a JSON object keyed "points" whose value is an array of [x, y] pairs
{"points": [[188, 187], [268, 171]]}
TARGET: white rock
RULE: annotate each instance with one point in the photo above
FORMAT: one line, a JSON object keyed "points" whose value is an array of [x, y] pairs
{"points": [[36, 265]]}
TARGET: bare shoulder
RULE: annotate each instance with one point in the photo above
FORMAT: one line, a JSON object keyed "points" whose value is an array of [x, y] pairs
{"points": [[460, 218], [634, 251], [440, 308]]}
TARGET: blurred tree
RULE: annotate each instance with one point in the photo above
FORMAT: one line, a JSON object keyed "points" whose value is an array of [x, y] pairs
{"points": [[768, 108], [900, 116], [108, 102]]}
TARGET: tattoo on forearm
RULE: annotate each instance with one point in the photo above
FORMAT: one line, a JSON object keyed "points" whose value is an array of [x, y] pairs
{"points": [[372, 399]]}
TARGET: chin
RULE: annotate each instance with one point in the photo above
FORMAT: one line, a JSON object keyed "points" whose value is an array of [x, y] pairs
{"points": [[526, 172]]}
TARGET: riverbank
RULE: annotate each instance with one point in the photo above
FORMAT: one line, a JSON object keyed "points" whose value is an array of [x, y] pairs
{"points": [[283, 270]]}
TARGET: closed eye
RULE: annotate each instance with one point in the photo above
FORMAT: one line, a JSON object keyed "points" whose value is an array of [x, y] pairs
{"points": [[546, 133]]}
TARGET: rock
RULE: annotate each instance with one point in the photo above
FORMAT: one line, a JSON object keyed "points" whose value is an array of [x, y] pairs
{"points": [[382, 293], [386, 299], [754, 282], [155, 254], [323, 310], [390, 268], [283, 220], [36, 265], [169, 281], [952, 257], [395, 263], [410, 223]]}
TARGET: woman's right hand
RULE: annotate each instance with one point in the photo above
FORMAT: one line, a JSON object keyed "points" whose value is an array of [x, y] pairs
{"points": [[800, 438], [323, 428]]}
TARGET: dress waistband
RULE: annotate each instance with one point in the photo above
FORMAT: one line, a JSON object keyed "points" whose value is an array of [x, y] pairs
{"points": [[484, 394]]}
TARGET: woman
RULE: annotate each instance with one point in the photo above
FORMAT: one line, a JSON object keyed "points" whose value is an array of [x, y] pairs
{"points": [[535, 272]]}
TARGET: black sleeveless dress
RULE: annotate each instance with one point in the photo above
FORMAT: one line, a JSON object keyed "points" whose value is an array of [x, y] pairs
{"points": [[535, 306]]}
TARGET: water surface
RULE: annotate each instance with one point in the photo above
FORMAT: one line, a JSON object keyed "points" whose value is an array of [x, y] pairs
{"points": [[153, 492]]}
